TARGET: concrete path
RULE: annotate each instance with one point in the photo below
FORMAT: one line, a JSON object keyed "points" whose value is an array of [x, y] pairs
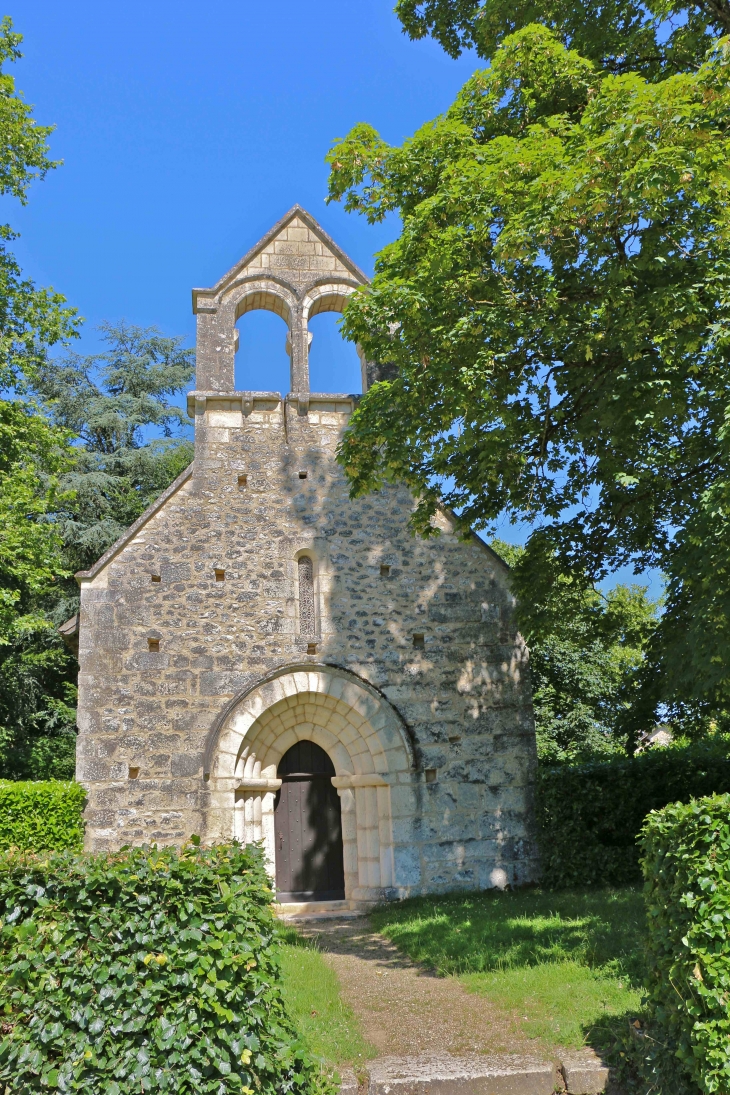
{"points": [[405, 1010]]}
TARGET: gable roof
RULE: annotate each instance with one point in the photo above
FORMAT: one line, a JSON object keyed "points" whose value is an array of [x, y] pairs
{"points": [[296, 211], [141, 521]]}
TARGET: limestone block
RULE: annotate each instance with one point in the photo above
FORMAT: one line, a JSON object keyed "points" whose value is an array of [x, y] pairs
{"points": [[585, 1073], [445, 1075]]}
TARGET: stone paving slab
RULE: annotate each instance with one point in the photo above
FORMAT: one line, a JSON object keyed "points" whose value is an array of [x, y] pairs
{"points": [[580, 1073], [444, 1075], [585, 1073]]}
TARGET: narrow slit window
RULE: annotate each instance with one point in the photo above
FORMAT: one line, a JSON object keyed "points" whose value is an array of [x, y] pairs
{"points": [[306, 598]]}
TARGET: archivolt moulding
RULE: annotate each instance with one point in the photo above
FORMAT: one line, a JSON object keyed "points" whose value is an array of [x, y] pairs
{"points": [[354, 724]]}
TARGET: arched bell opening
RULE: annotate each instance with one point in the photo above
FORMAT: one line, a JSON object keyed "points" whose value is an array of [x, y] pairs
{"points": [[262, 362], [334, 363], [308, 827]]}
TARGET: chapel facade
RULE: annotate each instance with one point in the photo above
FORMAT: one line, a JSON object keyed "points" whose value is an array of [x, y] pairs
{"points": [[263, 658]]}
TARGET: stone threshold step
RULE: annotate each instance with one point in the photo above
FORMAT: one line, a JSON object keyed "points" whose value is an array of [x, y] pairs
{"points": [[580, 1073], [315, 910]]}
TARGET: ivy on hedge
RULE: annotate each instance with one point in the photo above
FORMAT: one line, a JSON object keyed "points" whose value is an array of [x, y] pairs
{"points": [[686, 864], [41, 816], [144, 970], [589, 815]]}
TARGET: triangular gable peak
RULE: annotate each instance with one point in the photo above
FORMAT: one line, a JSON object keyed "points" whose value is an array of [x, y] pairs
{"points": [[297, 249], [297, 271]]}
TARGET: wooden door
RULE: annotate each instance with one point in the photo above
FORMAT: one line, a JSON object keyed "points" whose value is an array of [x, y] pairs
{"points": [[308, 827]]}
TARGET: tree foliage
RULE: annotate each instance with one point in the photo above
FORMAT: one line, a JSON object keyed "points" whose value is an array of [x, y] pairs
{"points": [[555, 309], [118, 405], [115, 405], [587, 651], [36, 689], [654, 38]]}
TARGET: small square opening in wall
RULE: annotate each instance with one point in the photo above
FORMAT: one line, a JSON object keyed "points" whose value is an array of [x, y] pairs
{"points": [[431, 774], [153, 645], [156, 577], [242, 481], [311, 648], [220, 575], [384, 570], [419, 641], [303, 474], [134, 773]]}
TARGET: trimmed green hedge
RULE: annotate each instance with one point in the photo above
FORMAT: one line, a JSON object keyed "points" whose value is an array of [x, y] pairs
{"points": [[589, 815], [686, 864], [41, 816], [144, 970]]}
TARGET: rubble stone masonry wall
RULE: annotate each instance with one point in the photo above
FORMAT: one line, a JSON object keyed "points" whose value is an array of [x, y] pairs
{"points": [[407, 667], [463, 696]]}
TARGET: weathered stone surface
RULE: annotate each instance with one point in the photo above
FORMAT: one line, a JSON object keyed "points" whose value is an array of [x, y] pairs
{"points": [[585, 1073], [348, 1082], [403, 672], [461, 1076]]}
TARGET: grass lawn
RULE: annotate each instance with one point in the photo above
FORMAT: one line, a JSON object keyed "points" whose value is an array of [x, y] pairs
{"points": [[567, 966], [312, 994]]}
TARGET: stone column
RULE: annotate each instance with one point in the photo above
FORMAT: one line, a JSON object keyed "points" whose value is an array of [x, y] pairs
{"points": [[349, 839], [299, 337], [255, 816]]}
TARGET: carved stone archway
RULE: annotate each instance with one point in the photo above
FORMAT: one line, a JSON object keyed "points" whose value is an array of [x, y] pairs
{"points": [[360, 731]]}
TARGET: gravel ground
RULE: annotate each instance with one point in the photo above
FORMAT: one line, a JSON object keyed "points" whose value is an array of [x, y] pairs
{"points": [[403, 1008]]}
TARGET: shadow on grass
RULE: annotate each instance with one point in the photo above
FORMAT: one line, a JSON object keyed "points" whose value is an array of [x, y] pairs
{"points": [[491, 932]]}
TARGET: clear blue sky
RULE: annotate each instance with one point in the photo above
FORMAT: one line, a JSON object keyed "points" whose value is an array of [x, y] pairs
{"points": [[187, 130]]}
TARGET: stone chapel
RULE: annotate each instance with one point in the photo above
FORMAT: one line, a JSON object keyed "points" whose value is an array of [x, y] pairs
{"points": [[263, 658]]}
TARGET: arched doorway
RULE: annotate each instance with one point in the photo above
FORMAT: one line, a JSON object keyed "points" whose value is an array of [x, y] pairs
{"points": [[308, 827], [366, 741]]}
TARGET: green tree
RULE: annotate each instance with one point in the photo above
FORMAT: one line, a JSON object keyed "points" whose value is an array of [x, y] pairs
{"points": [[36, 693], [119, 406], [116, 405], [555, 309], [587, 653], [654, 38]]}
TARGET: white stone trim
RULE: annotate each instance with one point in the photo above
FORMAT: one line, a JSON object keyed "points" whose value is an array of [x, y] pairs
{"points": [[362, 735]]}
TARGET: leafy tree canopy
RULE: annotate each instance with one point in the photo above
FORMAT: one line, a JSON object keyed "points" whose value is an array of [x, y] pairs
{"points": [[655, 38], [119, 405], [36, 691], [31, 319], [555, 310], [587, 651]]}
